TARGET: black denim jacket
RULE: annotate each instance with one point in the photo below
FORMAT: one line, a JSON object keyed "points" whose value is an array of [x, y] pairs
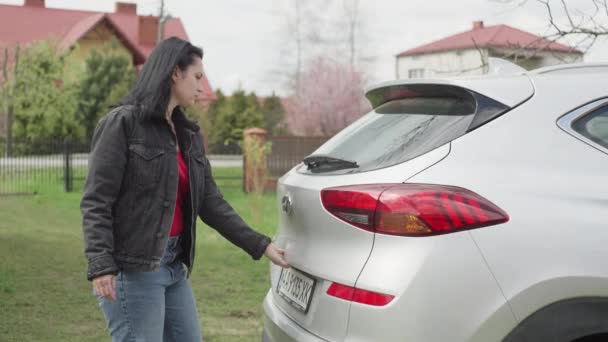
{"points": [[130, 192]]}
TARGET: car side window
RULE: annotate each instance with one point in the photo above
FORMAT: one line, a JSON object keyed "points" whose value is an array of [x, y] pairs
{"points": [[594, 126]]}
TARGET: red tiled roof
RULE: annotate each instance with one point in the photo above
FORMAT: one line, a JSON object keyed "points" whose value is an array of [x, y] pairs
{"points": [[502, 36], [23, 24], [26, 24], [129, 26], [82, 27]]}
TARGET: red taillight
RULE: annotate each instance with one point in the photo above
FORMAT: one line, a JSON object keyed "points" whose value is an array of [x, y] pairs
{"points": [[358, 295], [411, 209], [356, 206]]}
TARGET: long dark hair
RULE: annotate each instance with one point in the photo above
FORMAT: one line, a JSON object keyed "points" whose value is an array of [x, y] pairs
{"points": [[152, 90]]}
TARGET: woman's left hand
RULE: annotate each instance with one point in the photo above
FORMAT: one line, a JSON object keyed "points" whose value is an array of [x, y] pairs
{"points": [[276, 255]]}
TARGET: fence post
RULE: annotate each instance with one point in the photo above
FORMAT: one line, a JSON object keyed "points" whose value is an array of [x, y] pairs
{"points": [[67, 167], [248, 171]]}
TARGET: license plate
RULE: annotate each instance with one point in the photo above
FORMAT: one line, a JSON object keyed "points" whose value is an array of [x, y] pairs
{"points": [[296, 288]]}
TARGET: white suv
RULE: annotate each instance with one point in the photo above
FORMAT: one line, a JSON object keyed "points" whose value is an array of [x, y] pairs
{"points": [[457, 210]]}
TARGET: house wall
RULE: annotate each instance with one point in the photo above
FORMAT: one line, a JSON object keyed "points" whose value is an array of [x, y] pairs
{"points": [[560, 58], [443, 64], [95, 39], [533, 59]]}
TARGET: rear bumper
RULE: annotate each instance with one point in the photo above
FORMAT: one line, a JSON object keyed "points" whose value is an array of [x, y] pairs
{"points": [[280, 328]]}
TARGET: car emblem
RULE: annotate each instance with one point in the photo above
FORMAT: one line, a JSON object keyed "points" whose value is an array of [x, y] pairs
{"points": [[287, 205]]}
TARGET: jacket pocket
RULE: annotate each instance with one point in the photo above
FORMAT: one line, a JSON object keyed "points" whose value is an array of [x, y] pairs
{"points": [[145, 164]]}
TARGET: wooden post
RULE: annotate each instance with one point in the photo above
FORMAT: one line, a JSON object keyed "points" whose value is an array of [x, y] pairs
{"points": [[248, 173]]}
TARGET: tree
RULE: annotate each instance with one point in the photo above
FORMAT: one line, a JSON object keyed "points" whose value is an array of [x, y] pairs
{"points": [[351, 9], [582, 24], [273, 112], [212, 113], [301, 36], [237, 113], [10, 64], [330, 29], [330, 96], [43, 106], [251, 117], [353, 40], [107, 77]]}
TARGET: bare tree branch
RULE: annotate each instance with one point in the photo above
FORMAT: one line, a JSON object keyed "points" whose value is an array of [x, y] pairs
{"points": [[567, 13], [482, 66], [351, 9], [587, 25]]}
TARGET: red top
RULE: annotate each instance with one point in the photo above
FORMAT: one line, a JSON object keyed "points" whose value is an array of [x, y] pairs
{"points": [[183, 190]]}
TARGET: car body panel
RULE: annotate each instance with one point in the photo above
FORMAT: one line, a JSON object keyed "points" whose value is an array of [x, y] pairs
{"points": [[476, 285]]}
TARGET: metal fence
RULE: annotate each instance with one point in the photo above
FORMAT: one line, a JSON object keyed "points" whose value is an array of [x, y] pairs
{"points": [[36, 166], [33, 166]]}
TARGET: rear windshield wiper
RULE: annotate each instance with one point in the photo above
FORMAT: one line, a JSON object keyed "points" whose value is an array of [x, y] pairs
{"points": [[332, 163]]}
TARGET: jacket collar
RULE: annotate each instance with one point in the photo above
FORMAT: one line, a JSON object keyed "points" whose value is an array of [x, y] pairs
{"points": [[180, 119]]}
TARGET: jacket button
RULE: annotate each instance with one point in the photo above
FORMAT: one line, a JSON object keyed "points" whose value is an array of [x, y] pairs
{"points": [[159, 235], [166, 204]]}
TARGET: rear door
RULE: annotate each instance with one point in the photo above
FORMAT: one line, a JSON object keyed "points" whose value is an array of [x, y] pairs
{"points": [[408, 132]]}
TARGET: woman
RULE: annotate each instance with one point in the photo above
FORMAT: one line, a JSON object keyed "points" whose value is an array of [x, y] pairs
{"points": [[148, 180]]}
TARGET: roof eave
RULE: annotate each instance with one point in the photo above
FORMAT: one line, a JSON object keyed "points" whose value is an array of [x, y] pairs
{"points": [[489, 46], [138, 55]]}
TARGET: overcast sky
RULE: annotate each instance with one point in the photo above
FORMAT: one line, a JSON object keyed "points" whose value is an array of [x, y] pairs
{"points": [[244, 40]]}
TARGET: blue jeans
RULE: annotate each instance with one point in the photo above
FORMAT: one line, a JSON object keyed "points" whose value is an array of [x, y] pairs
{"points": [[154, 306]]}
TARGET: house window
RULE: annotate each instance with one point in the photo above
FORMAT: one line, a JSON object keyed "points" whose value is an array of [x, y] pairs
{"points": [[415, 73]]}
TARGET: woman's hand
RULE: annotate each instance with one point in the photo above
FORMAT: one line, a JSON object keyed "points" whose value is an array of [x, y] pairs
{"points": [[105, 286], [276, 255]]}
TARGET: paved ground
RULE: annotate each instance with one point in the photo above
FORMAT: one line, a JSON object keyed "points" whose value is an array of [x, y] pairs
{"points": [[225, 161]]}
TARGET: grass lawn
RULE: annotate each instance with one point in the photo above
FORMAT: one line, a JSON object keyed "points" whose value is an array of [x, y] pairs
{"points": [[44, 294]]}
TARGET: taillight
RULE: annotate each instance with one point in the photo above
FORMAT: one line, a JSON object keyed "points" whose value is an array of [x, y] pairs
{"points": [[353, 294], [411, 209]]}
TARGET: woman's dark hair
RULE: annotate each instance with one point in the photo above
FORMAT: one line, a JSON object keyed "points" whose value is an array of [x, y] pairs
{"points": [[152, 90]]}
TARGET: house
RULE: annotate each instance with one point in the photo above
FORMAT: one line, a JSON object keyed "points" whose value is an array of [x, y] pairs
{"points": [[33, 21], [467, 53]]}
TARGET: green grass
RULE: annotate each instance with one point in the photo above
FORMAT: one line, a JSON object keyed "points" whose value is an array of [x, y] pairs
{"points": [[35, 181], [44, 294]]}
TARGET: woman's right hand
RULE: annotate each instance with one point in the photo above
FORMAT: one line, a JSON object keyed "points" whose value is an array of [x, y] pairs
{"points": [[105, 286]]}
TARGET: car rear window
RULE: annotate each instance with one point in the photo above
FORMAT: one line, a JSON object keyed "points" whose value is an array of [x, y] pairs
{"points": [[594, 126], [400, 130]]}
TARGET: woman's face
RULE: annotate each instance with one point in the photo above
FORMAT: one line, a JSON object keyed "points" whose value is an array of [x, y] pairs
{"points": [[187, 83]]}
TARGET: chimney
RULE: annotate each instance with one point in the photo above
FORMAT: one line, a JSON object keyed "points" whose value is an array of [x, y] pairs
{"points": [[148, 30], [34, 3], [126, 8], [477, 25]]}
